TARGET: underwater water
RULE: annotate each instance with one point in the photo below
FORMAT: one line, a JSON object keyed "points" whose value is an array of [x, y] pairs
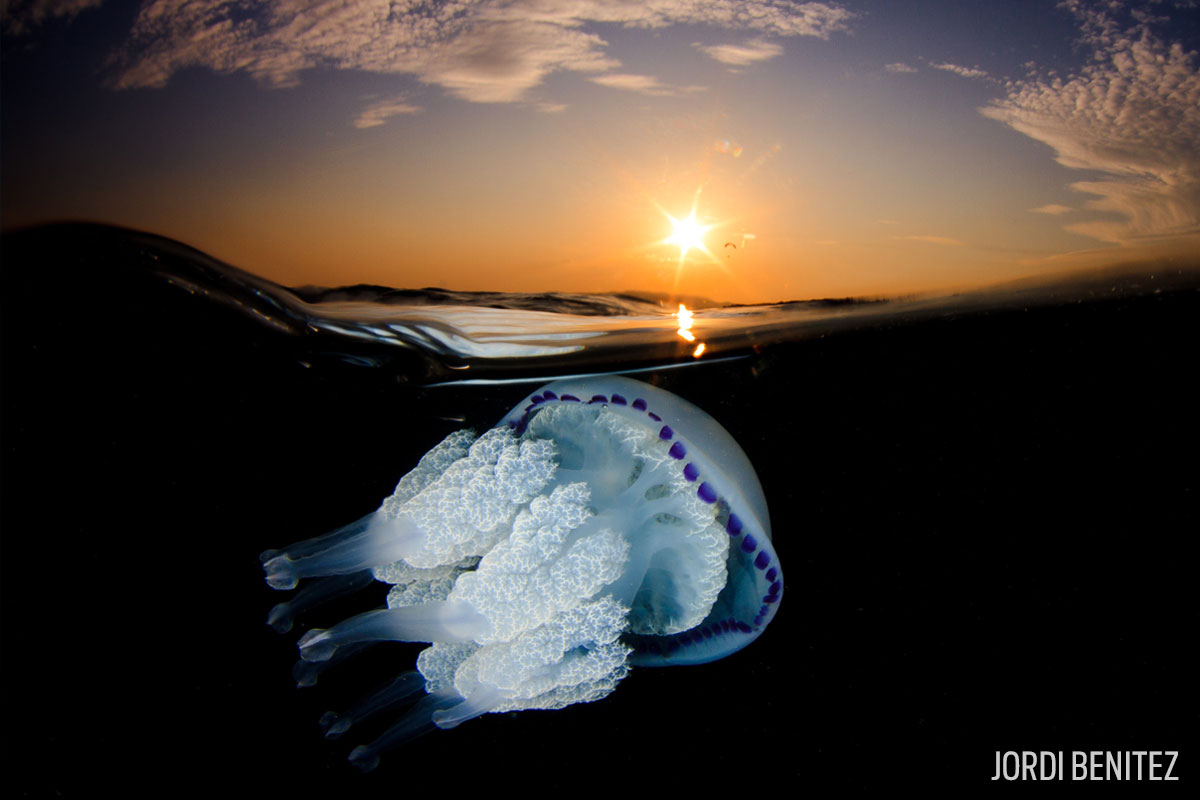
{"points": [[985, 505]]}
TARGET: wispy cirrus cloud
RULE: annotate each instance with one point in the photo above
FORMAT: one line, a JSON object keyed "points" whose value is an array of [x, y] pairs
{"points": [[487, 51], [1053, 209], [942, 240], [1133, 114], [643, 84], [900, 67], [742, 55], [381, 111], [957, 69]]}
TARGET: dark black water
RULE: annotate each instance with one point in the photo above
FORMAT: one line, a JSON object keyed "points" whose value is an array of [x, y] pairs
{"points": [[985, 507]]}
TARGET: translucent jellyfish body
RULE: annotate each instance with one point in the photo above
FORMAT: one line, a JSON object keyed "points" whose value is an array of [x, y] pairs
{"points": [[603, 524]]}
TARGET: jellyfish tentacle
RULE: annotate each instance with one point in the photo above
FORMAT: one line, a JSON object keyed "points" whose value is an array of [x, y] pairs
{"points": [[399, 689], [315, 594], [316, 544], [416, 722], [374, 539], [479, 702], [306, 673], [281, 576], [437, 621]]}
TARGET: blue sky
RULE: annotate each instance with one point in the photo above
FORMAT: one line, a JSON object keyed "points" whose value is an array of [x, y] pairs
{"points": [[838, 148]]}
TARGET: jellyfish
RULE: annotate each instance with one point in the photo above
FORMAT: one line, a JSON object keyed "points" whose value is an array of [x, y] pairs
{"points": [[603, 524]]}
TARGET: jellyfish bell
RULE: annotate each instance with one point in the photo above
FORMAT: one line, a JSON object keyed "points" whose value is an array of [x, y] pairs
{"points": [[602, 524]]}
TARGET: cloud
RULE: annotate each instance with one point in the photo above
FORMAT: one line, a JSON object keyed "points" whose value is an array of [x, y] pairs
{"points": [[487, 51], [22, 16], [496, 62], [1132, 114], [900, 67], [966, 72], [643, 84], [742, 55], [1053, 209], [379, 112], [942, 240]]}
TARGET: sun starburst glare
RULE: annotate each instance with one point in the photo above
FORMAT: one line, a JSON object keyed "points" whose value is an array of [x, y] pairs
{"points": [[687, 234]]}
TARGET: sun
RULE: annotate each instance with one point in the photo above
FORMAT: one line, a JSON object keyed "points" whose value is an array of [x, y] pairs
{"points": [[687, 234]]}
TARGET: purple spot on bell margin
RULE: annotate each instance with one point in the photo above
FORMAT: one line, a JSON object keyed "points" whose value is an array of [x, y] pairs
{"points": [[618, 400], [749, 544], [707, 633], [707, 493], [549, 395], [762, 560], [639, 404], [771, 598], [598, 398], [568, 398], [677, 450], [537, 398], [776, 587], [690, 472], [772, 574], [654, 416], [734, 526], [666, 433], [743, 627], [512, 423]]}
